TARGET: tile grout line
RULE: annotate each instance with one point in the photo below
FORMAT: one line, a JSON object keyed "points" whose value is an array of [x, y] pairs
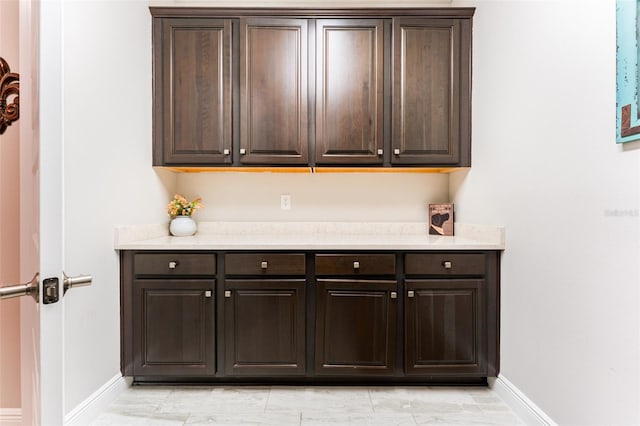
{"points": [[373, 409], [266, 403]]}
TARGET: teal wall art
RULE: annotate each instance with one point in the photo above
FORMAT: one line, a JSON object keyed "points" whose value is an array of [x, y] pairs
{"points": [[627, 75]]}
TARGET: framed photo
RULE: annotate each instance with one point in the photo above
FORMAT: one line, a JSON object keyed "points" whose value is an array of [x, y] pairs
{"points": [[627, 71], [441, 219]]}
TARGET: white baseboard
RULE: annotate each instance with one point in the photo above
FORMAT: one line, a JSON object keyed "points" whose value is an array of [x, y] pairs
{"points": [[10, 416], [524, 408], [97, 402]]}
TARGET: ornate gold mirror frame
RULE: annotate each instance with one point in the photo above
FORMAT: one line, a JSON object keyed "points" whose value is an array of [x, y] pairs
{"points": [[9, 96]]}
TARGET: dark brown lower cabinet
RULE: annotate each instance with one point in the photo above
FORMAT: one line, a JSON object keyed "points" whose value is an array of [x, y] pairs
{"points": [[355, 327], [445, 327], [310, 317], [173, 327], [264, 327]]}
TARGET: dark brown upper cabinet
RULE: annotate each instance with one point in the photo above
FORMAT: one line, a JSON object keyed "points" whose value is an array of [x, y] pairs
{"points": [[349, 91], [273, 91], [192, 92], [312, 87], [431, 92]]}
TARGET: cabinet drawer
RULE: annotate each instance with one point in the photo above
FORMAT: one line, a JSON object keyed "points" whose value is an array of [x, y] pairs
{"points": [[444, 264], [264, 264], [355, 264], [182, 264]]}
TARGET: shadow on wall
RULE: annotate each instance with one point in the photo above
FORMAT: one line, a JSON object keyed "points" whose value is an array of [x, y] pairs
{"points": [[630, 146]]}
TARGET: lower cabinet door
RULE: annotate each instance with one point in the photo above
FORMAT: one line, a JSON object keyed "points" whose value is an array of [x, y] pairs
{"points": [[445, 327], [265, 327], [355, 327], [173, 327]]}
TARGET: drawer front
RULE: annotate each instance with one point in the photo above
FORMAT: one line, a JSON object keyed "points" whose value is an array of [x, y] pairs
{"points": [[264, 264], [444, 264], [178, 264], [355, 264]]}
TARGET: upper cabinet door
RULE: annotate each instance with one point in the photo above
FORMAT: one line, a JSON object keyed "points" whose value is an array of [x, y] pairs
{"points": [[192, 85], [273, 91], [431, 92], [349, 91]]}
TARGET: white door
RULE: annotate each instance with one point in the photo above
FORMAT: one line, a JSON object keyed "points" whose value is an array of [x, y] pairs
{"points": [[41, 210]]}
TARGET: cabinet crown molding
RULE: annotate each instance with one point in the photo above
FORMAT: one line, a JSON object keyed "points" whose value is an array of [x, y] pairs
{"points": [[299, 3], [310, 10]]}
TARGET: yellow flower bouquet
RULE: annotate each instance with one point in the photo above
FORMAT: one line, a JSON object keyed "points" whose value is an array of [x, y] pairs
{"points": [[180, 206]]}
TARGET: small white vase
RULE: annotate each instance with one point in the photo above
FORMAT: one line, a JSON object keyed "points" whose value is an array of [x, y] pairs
{"points": [[182, 226]]}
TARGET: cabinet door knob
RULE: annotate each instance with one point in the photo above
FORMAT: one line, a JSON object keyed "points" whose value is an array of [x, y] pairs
{"points": [[396, 151], [226, 151], [394, 295], [207, 293], [227, 293], [243, 151], [173, 264], [380, 152], [410, 293], [447, 264], [264, 265], [356, 265]]}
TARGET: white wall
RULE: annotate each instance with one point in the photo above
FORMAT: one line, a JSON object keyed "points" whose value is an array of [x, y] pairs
{"points": [[348, 197], [547, 167], [108, 176]]}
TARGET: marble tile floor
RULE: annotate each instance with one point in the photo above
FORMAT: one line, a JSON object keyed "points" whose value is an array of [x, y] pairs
{"points": [[321, 405]]}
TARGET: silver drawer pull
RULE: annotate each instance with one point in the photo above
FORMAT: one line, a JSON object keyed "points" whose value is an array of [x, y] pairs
{"points": [[264, 265], [207, 293], [356, 265], [394, 295], [227, 293], [173, 265], [447, 264], [410, 293]]}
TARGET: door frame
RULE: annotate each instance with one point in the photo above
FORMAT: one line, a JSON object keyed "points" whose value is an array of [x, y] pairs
{"points": [[41, 157], [51, 122]]}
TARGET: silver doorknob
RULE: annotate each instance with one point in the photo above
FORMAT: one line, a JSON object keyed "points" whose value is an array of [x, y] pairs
{"points": [[28, 289], [73, 282]]}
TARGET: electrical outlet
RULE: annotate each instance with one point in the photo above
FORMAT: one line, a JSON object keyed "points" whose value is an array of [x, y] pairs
{"points": [[285, 202]]}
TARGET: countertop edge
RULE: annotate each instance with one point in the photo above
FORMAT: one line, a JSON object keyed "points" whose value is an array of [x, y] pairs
{"points": [[310, 236]]}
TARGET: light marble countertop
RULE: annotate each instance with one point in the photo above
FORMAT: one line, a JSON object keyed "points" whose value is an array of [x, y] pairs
{"points": [[310, 236]]}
